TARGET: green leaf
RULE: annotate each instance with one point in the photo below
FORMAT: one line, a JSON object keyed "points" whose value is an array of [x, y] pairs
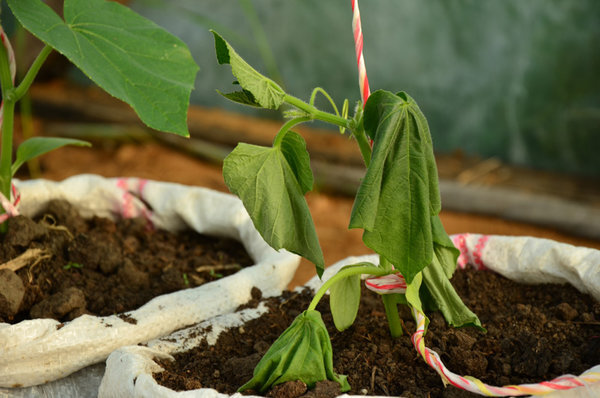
{"points": [[443, 295], [126, 54], [243, 97], [344, 300], [399, 193], [302, 352], [444, 249], [273, 193], [293, 148], [37, 146], [265, 91]]}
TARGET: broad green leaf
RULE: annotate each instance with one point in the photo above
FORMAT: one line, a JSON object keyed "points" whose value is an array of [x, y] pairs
{"points": [[399, 193], [293, 148], [442, 295], [344, 300], [302, 352], [274, 197], [126, 54], [37, 146], [265, 91]]}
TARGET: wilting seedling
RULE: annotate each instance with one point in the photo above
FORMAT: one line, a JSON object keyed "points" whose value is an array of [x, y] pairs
{"points": [[397, 206]]}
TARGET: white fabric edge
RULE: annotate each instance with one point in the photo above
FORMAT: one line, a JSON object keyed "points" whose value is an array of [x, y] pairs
{"points": [[558, 263], [35, 351]]}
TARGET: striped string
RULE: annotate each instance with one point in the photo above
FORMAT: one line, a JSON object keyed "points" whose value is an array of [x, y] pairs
{"points": [[363, 81], [10, 208], [476, 386]]}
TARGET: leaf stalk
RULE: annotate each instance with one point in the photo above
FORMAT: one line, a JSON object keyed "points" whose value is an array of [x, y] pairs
{"points": [[344, 273], [287, 127]]}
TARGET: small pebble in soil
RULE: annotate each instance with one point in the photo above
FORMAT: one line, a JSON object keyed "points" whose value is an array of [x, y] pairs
{"points": [[11, 293]]}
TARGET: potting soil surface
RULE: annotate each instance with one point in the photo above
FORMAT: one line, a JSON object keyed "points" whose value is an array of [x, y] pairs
{"points": [[101, 267], [534, 333]]}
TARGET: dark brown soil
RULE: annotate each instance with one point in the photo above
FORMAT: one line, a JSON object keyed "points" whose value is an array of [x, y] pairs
{"points": [[101, 267], [534, 333]]}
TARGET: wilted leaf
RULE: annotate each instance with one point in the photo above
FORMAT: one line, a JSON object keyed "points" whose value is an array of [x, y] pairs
{"points": [[272, 191], [265, 91], [302, 352], [399, 193]]}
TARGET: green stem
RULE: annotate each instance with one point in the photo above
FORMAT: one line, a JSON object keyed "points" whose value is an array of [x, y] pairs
{"points": [[390, 303], [363, 144], [23, 87], [314, 113], [391, 311], [344, 273], [286, 127], [7, 124]]}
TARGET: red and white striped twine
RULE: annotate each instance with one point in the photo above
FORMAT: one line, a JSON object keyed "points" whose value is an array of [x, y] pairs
{"points": [[363, 81], [10, 208]]}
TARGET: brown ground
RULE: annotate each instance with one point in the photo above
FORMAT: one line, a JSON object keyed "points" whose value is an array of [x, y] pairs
{"points": [[101, 267]]}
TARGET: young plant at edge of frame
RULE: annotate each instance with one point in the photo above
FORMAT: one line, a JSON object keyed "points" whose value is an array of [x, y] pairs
{"points": [[126, 54], [397, 206]]}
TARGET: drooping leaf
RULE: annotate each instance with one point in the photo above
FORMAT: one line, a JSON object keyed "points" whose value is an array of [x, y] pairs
{"points": [[399, 193], [344, 300], [265, 91], [302, 352], [126, 54], [444, 249], [440, 295], [437, 291], [37, 146], [273, 193]]}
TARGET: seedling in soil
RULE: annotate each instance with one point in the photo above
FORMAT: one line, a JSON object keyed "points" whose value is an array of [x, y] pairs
{"points": [[72, 265], [397, 206], [124, 53]]}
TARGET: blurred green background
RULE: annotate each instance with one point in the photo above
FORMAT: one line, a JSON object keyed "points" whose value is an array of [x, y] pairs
{"points": [[516, 79]]}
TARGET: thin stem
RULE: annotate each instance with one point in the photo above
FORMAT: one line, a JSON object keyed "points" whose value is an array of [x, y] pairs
{"points": [[32, 72], [315, 113], [363, 144], [344, 273], [390, 303], [286, 127], [7, 123], [391, 311], [8, 116]]}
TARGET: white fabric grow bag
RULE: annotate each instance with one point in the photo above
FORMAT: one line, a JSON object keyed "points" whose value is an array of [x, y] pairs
{"points": [[36, 351], [530, 260]]}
